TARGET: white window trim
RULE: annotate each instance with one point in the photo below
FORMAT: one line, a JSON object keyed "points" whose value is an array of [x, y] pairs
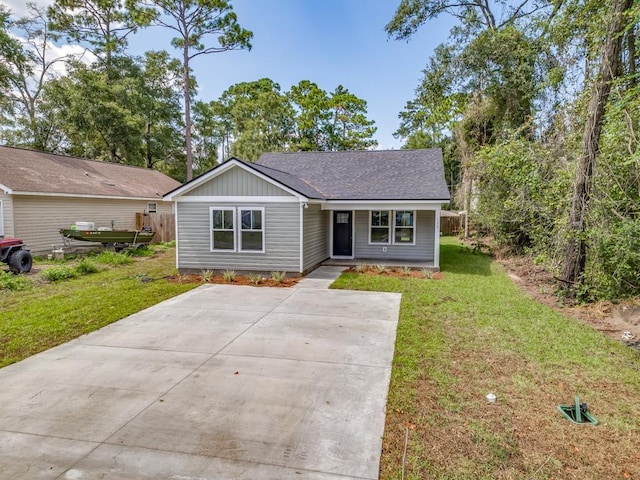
{"points": [[415, 230], [240, 230], [391, 217], [235, 238], [155, 207]]}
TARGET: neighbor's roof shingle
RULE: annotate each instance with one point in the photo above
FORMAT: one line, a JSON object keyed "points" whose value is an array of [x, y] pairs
{"points": [[30, 171], [363, 175]]}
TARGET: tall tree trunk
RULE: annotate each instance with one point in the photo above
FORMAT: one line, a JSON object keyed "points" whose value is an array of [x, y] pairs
{"points": [[631, 57], [610, 66], [187, 111]]}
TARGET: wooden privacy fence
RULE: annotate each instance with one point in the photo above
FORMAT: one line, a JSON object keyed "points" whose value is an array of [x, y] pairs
{"points": [[450, 225], [164, 224]]}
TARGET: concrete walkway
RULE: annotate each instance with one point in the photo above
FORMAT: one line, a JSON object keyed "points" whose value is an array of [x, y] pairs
{"points": [[321, 277], [223, 382]]}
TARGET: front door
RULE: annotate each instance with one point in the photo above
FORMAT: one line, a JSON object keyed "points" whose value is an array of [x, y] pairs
{"points": [[342, 234]]}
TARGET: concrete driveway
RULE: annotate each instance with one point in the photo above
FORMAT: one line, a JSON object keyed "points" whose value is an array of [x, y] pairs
{"points": [[223, 382]]}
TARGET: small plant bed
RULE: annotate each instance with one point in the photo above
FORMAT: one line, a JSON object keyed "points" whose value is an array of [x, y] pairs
{"points": [[396, 272], [227, 278]]}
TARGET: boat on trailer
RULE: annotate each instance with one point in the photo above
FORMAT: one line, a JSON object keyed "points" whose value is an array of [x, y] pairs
{"points": [[110, 237]]}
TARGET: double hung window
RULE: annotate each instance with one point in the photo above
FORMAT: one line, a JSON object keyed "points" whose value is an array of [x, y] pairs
{"points": [[380, 231], [237, 229], [392, 226], [404, 228]]}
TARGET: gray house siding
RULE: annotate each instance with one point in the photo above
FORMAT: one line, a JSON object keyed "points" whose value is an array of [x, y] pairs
{"points": [[282, 243], [422, 250], [316, 236], [236, 182]]}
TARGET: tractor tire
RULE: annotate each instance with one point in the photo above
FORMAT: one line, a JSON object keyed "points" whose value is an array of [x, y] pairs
{"points": [[21, 261]]}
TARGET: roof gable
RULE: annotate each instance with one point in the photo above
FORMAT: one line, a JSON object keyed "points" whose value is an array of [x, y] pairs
{"points": [[29, 171], [236, 181], [263, 173], [366, 175]]}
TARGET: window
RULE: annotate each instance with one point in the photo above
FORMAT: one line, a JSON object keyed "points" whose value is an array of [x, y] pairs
{"points": [[222, 229], [251, 230], [380, 227], [152, 207], [237, 229], [404, 227], [342, 217]]}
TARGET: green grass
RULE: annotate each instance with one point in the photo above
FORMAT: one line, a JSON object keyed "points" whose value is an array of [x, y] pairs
{"points": [[50, 314], [9, 281], [112, 258], [474, 332], [56, 274]]}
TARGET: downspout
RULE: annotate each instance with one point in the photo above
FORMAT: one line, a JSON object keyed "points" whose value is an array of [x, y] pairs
{"points": [[301, 235], [175, 205]]}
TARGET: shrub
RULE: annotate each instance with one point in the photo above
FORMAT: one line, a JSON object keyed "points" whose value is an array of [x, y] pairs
{"points": [[85, 267], [207, 275], [278, 277], [427, 273], [361, 267], [380, 269], [229, 275], [9, 281], [405, 270], [140, 251], [55, 274], [112, 258], [255, 278]]}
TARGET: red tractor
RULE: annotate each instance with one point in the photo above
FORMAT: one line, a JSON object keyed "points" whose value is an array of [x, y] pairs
{"points": [[14, 253]]}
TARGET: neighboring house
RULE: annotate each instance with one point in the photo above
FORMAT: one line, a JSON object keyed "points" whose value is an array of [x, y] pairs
{"points": [[292, 211], [40, 193]]}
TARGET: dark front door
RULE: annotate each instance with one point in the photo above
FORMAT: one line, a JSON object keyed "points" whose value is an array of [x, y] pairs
{"points": [[342, 234]]}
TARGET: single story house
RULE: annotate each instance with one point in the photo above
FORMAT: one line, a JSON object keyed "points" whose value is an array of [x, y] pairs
{"points": [[40, 193], [292, 211]]}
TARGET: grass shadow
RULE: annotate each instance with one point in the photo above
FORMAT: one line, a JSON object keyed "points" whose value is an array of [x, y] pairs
{"points": [[457, 258]]}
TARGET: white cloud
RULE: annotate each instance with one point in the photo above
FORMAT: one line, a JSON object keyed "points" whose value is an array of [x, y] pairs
{"points": [[19, 7], [55, 51]]}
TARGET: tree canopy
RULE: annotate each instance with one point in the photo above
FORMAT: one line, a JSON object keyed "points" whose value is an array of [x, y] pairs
{"points": [[529, 98], [102, 102]]}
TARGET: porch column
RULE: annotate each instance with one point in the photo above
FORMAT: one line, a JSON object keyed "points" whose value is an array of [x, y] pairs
{"points": [[436, 240]]}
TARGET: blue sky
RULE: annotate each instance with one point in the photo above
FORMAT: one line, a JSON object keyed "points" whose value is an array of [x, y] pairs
{"points": [[330, 42]]}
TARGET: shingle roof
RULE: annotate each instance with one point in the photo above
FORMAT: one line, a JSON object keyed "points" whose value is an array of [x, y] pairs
{"points": [[31, 171], [363, 175], [291, 181]]}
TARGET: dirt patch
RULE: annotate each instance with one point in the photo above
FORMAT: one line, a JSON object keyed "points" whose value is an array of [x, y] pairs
{"points": [[620, 321], [238, 280]]}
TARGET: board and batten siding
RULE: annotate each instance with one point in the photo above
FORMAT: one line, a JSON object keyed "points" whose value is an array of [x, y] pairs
{"points": [[38, 219], [282, 245], [316, 235], [423, 249], [236, 182]]}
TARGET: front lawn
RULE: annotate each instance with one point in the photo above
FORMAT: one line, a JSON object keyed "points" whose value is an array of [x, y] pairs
{"points": [[473, 332], [48, 314]]}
